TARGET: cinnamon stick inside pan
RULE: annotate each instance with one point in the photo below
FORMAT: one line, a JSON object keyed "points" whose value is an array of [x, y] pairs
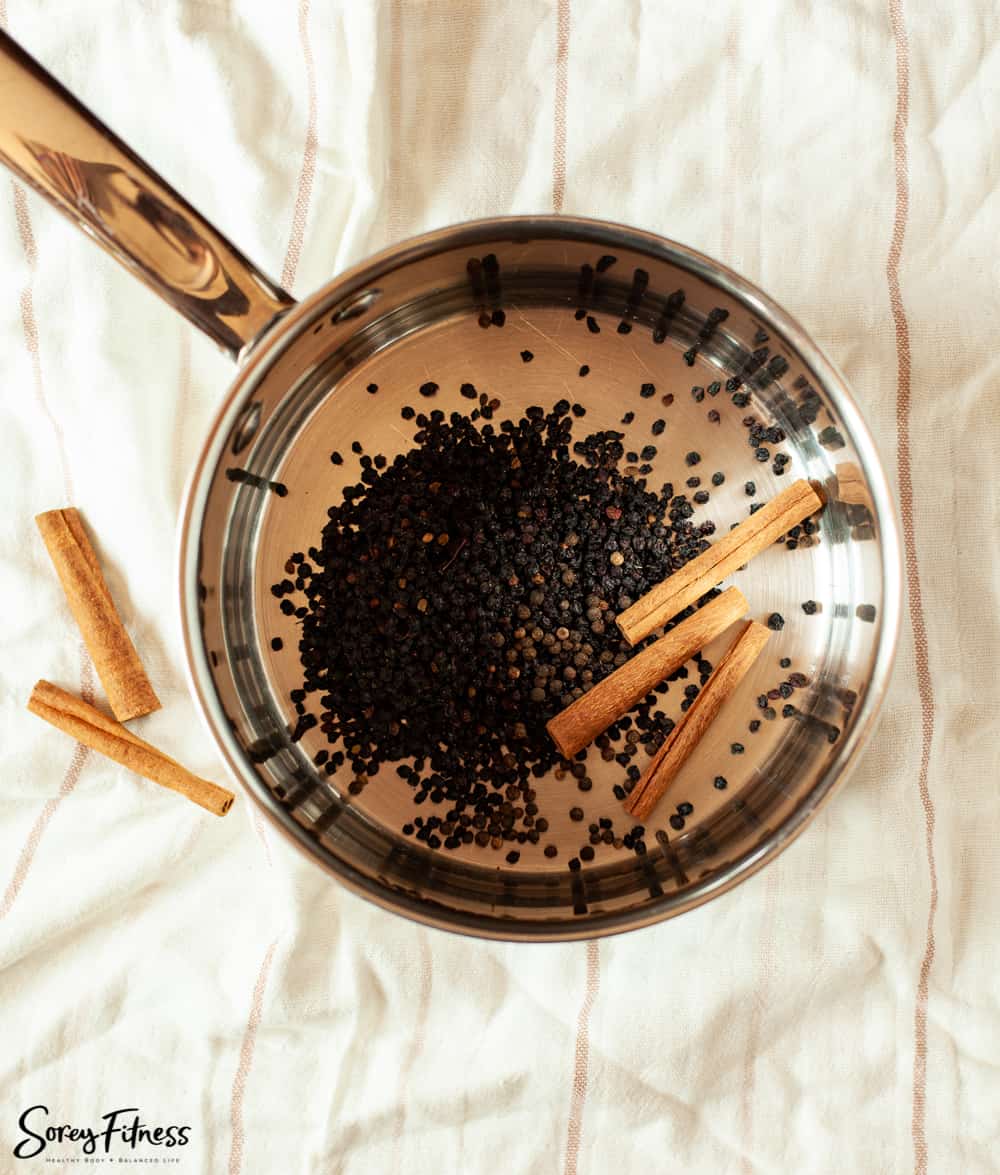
{"points": [[89, 726], [128, 689], [722, 558], [604, 703], [686, 735]]}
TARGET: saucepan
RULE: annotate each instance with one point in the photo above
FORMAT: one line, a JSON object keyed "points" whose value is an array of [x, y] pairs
{"points": [[459, 306]]}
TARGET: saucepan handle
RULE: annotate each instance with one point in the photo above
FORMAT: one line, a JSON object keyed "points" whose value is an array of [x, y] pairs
{"points": [[71, 158]]}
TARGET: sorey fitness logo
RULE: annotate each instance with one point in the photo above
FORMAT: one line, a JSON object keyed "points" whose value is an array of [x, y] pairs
{"points": [[119, 1137]]}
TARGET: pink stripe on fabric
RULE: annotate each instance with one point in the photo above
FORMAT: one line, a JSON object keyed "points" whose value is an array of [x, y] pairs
{"points": [[394, 215], [581, 1060], [183, 406], [30, 327], [307, 174], [559, 117], [260, 829], [904, 473], [729, 188], [71, 778], [246, 1063]]}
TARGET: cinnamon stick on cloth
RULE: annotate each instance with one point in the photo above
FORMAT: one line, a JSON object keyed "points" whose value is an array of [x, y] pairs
{"points": [[583, 720], [115, 659], [686, 735], [95, 730], [729, 554]]}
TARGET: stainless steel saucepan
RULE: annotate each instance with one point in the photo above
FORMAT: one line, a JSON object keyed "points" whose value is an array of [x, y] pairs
{"points": [[433, 307]]}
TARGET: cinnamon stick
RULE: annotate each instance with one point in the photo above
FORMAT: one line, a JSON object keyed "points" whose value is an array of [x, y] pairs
{"points": [[851, 485], [95, 730], [686, 735], [582, 721], [117, 663], [730, 553]]}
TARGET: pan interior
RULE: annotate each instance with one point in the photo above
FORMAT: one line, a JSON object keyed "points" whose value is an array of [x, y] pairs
{"points": [[434, 318]]}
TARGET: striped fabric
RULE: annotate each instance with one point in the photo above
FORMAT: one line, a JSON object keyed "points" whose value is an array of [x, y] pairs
{"points": [[840, 1011]]}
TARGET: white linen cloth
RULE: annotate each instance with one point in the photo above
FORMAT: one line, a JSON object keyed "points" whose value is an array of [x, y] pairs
{"points": [[841, 1010]]}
